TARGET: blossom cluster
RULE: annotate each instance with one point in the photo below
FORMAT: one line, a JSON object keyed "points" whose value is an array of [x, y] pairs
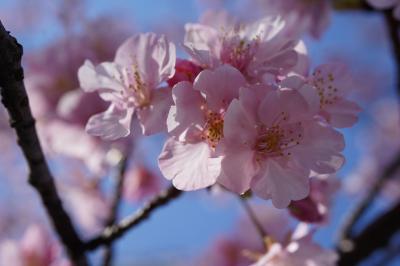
{"points": [[285, 244], [241, 111], [240, 108]]}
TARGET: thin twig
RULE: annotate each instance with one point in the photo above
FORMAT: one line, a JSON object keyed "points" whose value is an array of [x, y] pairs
{"points": [[346, 243], [253, 218], [393, 30], [375, 236], [116, 231], [115, 205], [15, 99]]}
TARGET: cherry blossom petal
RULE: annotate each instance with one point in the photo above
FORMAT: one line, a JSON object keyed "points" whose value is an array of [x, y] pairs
{"points": [[220, 86], [103, 76], [280, 183], [187, 111], [303, 60], [276, 56], [251, 97], [153, 118], [320, 148], [343, 113], [286, 106], [153, 56], [265, 29], [201, 43], [112, 124], [238, 168], [239, 127], [189, 165]]}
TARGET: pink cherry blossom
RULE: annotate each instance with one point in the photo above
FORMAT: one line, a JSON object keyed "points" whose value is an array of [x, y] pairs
{"points": [[287, 246], [36, 248], [378, 144], [54, 67], [59, 106], [302, 15], [315, 207], [330, 86], [130, 84], [272, 141], [88, 207], [189, 158], [300, 250], [244, 244], [255, 48], [225, 252], [139, 183], [59, 137], [385, 4]]}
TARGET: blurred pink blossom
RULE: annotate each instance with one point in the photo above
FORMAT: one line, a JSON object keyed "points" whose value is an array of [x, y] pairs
{"points": [[300, 250], [140, 182], [85, 201], [385, 4], [36, 248], [379, 143], [300, 15], [315, 207]]}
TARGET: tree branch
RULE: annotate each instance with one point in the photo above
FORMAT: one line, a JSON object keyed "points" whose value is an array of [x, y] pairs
{"points": [[351, 5], [122, 165], [346, 243], [375, 236], [393, 31], [15, 99], [116, 231], [253, 218]]}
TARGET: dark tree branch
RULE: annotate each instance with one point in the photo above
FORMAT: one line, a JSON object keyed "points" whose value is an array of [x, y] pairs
{"points": [[393, 31], [115, 204], [392, 27], [352, 248], [351, 5], [391, 253], [346, 242], [372, 238], [116, 231], [15, 99]]}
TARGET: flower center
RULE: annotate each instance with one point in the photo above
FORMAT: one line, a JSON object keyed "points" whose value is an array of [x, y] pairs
{"points": [[238, 52], [277, 140], [269, 142], [326, 89], [134, 81], [214, 128]]}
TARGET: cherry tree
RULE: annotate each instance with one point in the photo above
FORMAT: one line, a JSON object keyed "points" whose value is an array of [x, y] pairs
{"points": [[243, 113]]}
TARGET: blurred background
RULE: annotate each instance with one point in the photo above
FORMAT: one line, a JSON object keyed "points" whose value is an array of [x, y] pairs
{"points": [[59, 35]]}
